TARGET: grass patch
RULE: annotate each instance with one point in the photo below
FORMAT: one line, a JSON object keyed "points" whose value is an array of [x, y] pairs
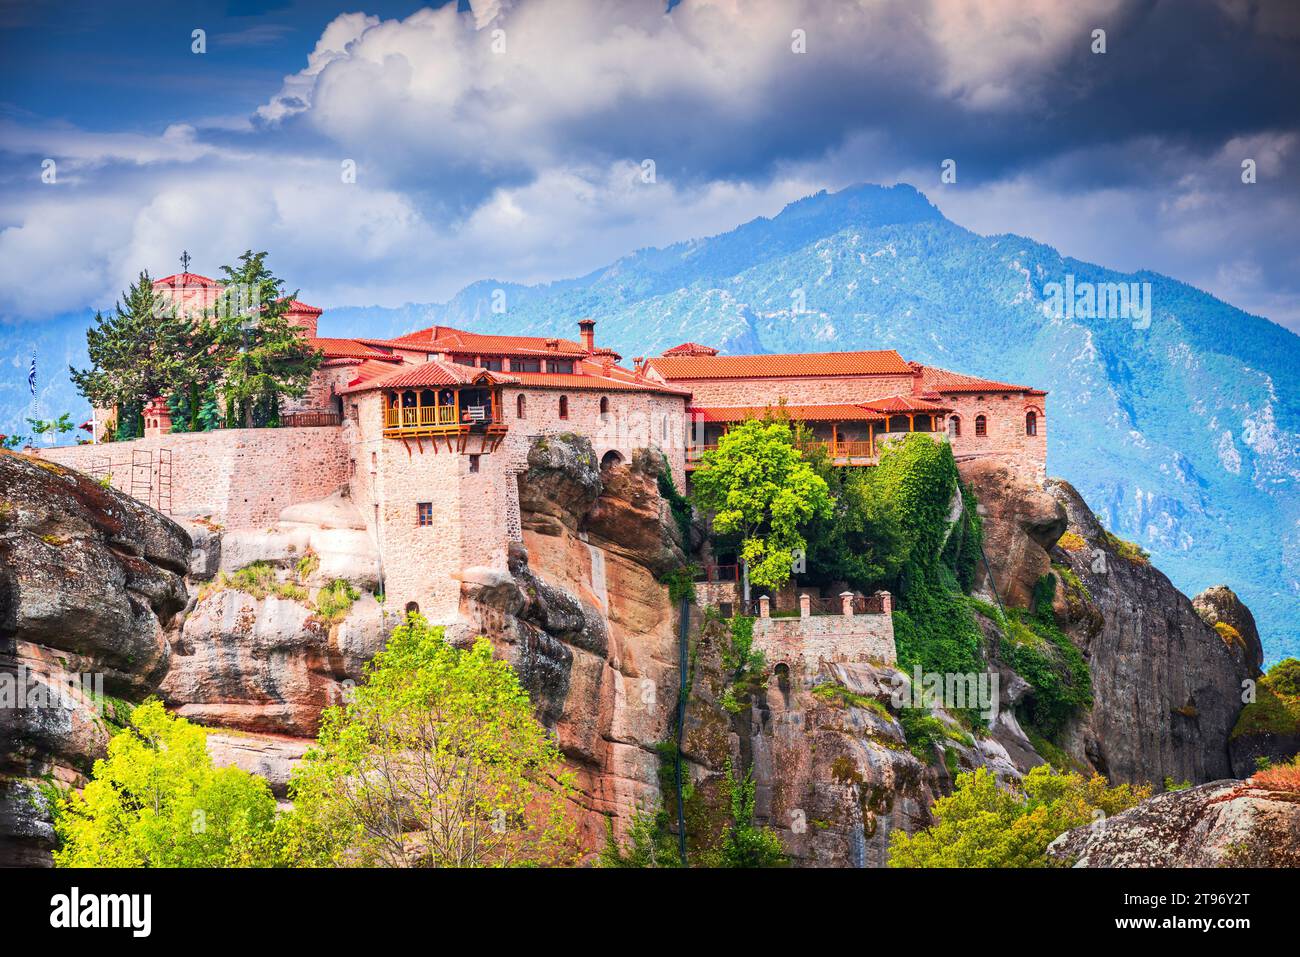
{"points": [[335, 600], [1276, 708], [1072, 542], [842, 697], [1129, 551], [258, 580]]}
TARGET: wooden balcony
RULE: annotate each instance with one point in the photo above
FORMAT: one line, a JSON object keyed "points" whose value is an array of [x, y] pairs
{"points": [[459, 425]]}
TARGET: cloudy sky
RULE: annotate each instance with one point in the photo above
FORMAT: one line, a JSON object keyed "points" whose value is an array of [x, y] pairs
{"points": [[507, 139]]}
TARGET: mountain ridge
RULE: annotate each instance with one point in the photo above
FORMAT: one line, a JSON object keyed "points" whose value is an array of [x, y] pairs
{"points": [[1184, 435]]}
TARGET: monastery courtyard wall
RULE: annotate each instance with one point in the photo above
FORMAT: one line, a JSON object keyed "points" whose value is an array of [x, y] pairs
{"points": [[236, 478]]}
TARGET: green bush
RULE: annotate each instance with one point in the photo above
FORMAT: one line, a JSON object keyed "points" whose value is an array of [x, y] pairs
{"points": [[335, 600]]}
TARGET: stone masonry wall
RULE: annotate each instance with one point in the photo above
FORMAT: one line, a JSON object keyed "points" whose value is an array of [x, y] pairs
{"points": [[813, 390], [237, 478], [802, 643], [1006, 438]]}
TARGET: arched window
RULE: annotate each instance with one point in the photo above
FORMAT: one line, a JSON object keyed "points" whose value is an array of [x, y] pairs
{"points": [[954, 426], [604, 408], [412, 608], [521, 408], [981, 425], [1031, 422], [564, 406]]}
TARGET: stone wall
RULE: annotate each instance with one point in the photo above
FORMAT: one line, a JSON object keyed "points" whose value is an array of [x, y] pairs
{"points": [[237, 478], [803, 643], [635, 420], [1005, 415], [812, 390]]}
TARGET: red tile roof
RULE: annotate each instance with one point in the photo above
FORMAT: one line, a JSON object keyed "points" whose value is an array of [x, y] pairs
{"points": [[691, 349], [186, 279], [460, 342], [881, 362], [349, 349], [894, 404], [435, 372], [296, 306], [934, 379], [797, 413]]}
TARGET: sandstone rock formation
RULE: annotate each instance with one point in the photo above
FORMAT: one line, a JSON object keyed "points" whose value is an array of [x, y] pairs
{"points": [[593, 634], [1021, 523], [1167, 688], [271, 663], [1221, 824], [1220, 604], [90, 579]]}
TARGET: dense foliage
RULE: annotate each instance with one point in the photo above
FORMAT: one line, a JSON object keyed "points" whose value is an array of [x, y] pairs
{"points": [[242, 353], [758, 487], [437, 761], [1036, 648], [157, 801], [1276, 707], [933, 626], [984, 825]]}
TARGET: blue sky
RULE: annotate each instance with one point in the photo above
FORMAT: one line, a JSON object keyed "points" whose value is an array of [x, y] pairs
{"points": [[507, 139]]}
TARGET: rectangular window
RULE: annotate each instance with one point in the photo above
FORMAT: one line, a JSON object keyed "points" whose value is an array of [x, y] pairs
{"points": [[423, 513], [525, 365], [491, 363], [465, 360], [561, 365], [473, 463]]}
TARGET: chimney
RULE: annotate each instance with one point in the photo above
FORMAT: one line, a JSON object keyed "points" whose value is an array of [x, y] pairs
{"points": [[587, 332]]}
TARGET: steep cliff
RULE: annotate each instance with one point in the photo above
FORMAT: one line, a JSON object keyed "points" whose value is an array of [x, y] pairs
{"points": [[1166, 686], [584, 618], [90, 581]]}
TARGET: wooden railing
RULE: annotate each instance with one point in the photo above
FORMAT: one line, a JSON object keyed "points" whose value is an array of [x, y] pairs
{"points": [[423, 416], [719, 573], [298, 420]]}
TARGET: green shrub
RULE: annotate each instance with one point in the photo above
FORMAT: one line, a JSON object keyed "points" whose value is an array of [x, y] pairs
{"points": [[335, 600]]}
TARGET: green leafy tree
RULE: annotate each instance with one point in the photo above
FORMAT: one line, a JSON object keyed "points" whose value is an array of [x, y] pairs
{"points": [[268, 357], [758, 487], [745, 844], [52, 427], [157, 801], [437, 761], [135, 353], [861, 542], [983, 825]]}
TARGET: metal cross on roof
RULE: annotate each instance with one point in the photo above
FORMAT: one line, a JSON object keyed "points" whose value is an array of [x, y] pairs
{"points": [[185, 260]]}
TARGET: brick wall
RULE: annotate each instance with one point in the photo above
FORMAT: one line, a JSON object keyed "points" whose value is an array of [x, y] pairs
{"points": [[238, 478]]}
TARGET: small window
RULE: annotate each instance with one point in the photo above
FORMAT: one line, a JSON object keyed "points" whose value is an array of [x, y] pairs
{"points": [[1031, 422], [412, 608], [561, 365], [491, 363], [424, 513], [525, 365], [473, 463], [604, 408], [954, 426], [564, 406], [521, 408], [374, 461], [981, 425]]}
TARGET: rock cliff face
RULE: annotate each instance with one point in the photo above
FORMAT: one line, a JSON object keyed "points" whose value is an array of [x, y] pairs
{"points": [[1221, 824], [1167, 688], [90, 581], [259, 666], [591, 630]]}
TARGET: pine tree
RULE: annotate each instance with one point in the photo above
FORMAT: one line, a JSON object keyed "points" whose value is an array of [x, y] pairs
{"points": [[269, 358]]}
